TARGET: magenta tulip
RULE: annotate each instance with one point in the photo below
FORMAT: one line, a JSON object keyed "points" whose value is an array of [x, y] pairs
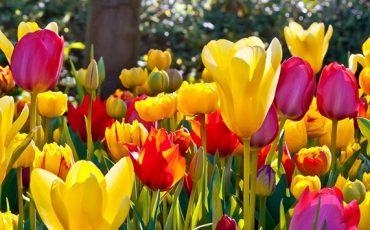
{"points": [[268, 131], [226, 223], [332, 212], [37, 61], [295, 89], [337, 92]]}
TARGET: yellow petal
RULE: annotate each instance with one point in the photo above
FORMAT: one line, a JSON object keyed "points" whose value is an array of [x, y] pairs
{"points": [[6, 46], [17, 125], [57, 194], [53, 26], [124, 208], [25, 28], [81, 171], [355, 59]]}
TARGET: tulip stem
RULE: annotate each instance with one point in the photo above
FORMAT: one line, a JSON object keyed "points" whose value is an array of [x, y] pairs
{"points": [[33, 118], [90, 145], [246, 185], [262, 213], [253, 174], [276, 141], [205, 162], [47, 130], [190, 206], [333, 147], [20, 199]]}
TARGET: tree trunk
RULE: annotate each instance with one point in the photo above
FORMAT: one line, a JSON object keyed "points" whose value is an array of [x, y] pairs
{"points": [[113, 29]]}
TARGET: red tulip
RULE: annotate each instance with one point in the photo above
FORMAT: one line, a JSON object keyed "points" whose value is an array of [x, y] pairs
{"points": [[295, 89], [100, 119], [219, 137], [337, 92], [159, 163], [226, 223], [131, 113], [332, 213], [268, 131], [183, 139], [37, 61]]}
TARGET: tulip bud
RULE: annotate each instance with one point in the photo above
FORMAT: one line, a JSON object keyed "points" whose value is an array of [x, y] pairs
{"points": [[116, 107], [175, 80], [133, 77], [295, 135], [314, 161], [81, 75], [366, 180], [159, 59], [52, 104], [196, 165], [268, 131], [91, 81], [226, 223], [295, 88], [158, 81], [300, 183], [333, 105], [206, 76], [6, 80], [266, 183], [354, 191]]}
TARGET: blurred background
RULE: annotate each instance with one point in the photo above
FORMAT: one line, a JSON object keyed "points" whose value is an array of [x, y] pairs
{"points": [[123, 31]]}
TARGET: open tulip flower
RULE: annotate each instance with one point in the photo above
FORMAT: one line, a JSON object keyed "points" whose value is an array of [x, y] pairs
{"points": [[86, 199], [157, 108], [314, 161]]}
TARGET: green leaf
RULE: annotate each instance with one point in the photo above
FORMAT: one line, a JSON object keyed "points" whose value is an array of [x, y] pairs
{"points": [[197, 212], [69, 139], [138, 216], [143, 205], [348, 164], [281, 148], [364, 125], [282, 222], [170, 223], [154, 215], [80, 90]]}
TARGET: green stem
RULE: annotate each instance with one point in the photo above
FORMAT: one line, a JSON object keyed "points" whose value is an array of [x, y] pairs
{"points": [[333, 147], [276, 141], [90, 145], [20, 199], [33, 118], [262, 213], [205, 162], [47, 130], [165, 210], [229, 161], [190, 206], [253, 174], [246, 185]]}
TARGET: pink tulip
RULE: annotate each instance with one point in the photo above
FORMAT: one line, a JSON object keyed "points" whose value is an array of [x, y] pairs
{"points": [[337, 92], [295, 89], [332, 212], [37, 61], [268, 131], [226, 223]]}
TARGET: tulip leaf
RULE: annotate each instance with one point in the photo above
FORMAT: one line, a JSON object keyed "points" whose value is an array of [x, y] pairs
{"points": [[101, 70], [80, 90], [144, 204], [281, 146], [154, 215], [170, 218], [69, 139], [348, 164], [214, 198], [282, 222], [197, 212], [138, 216]]}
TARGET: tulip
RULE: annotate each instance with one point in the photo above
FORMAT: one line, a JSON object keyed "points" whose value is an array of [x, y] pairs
{"points": [[206, 76], [8, 221], [366, 180], [157, 108], [365, 213], [310, 44], [333, 105], [91, 80], [354, 191], [87, 199], [266, 182], [295, 88], [55, 159], [300, 183], [52, 104], [226, 223], [199, 98], [132, 114], [158, 164], [268, 131], [314, 161], [295, 135], [158, 82], [196, 166], [37, 60], [27, 156], [115, 107], [345, 134], [332, 213], [219, 137], [6, 80], [159, 59], [175, 80], [362, 59], [182, 138], [121, 134], [133, 77], [100, 118], [315, 122]]}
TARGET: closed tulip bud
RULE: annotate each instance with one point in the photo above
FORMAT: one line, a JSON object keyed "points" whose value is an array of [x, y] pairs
{"points": [[226, 223], [27, 156], [266, 182], [52, 104], [315, 122], [158, 81], [310, 44], [300, 183], [91, 81], [366, 180], [55, 159], [197, 98], [175, 80], [37, 61], [206, 76], [295, 135], [6, 80], [159, 59], [268, 131], [157, 108], [345, 134], [81, 75], [196, 165], [314, 161], [295, 89], [333, 105], [354, 191], [133, 77], [116, 107]]}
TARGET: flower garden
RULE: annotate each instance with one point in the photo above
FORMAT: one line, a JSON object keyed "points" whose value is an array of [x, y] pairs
{"points": [[258, 143]]}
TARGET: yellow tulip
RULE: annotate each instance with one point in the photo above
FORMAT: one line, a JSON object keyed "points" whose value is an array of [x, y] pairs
{"points": [[345, 133], [295, 135], [115, 107], [310, 44], [52, 104], [8, 221], [122, 133], [8, 130], [159, 59], [246, 76], [133, 77], [87, 199], [157, 108], [197, 98], [315, 122], [158, 82], [55, 159], [366, 180], [26, 159], [365, 213], [300, 183], [362, 59]]}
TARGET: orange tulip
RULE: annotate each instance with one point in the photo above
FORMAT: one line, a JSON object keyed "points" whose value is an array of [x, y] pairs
{"points": [[313, 161]]}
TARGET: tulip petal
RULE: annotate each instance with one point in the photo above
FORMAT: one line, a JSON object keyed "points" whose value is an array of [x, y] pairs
{"points": [[41, 185], [57, 200], [121, 215], [327, 37], [53, 26], [82, 171], [6, 46], [26, 27], [17, 125], [355, 59]]}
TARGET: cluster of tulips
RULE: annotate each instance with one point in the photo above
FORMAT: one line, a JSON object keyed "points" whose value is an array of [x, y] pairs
{"points": [[257, 142]]}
